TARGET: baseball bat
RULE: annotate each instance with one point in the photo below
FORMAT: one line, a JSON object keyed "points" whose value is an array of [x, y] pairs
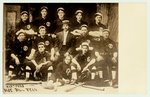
{"points": [[94, 88], [72, 88]]}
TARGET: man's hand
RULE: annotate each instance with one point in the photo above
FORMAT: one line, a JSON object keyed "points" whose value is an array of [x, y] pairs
{"points": [[79, 68], [66, 54], [57, 53], [29, 57], [114, 59], [38, 67], [76, 32], [99, 58], [17, 61], [53, 36], [85, 69]]}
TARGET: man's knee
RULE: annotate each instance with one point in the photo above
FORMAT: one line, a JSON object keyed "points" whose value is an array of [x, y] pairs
{"points": [[73, 68], [28, 69], [93, 69], [11, 67], [50, 69]]}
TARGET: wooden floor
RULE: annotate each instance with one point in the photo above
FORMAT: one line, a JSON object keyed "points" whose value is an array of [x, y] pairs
{"points": [[21, 86]]}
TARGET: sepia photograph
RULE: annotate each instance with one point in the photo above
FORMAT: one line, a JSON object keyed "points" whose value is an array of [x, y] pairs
{"points": [[60, 48]]}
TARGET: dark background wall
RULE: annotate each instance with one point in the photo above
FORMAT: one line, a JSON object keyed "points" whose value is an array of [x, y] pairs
{"points": [[109, 11], [110, 18]]}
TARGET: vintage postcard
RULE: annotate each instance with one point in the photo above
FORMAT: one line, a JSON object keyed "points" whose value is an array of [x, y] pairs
{"points": [[60, 47], [95, 48]]}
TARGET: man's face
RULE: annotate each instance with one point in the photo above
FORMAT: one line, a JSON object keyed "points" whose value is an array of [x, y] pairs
{"points": [[79, 16], [61, 14], [21, 37], [41, 48], [110, 45], [84, 49], [24, 17], [68, 60], [106, 34], [65, 26], [98, 19], [84, 31], [44, 12], [42, 31]]}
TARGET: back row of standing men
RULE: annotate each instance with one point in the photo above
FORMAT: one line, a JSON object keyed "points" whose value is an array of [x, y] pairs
{"points": [[40, 46], [55, 26]]}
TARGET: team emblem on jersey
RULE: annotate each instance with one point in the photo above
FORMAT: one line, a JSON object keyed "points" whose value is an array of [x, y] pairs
{"points": [[25, 48], [47, 43], [88, 59], [28, 27], [68, 71], [48, 24]]}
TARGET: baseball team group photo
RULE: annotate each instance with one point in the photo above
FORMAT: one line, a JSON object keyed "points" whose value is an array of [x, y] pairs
{"points": [[66, 46]]}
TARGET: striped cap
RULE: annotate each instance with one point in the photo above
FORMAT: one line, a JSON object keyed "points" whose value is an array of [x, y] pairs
{"points": [[60, 8], [78, 11]]}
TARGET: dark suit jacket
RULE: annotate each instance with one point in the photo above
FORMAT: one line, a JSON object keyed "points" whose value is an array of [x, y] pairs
{"points": [[70, 42], [47, 22]]}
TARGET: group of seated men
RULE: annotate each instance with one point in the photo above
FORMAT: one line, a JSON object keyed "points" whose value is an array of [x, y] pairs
{"points": [[61, 50]]}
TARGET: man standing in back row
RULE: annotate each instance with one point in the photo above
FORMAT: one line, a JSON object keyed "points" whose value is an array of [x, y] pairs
{"points": [[76, 24], [44, 20], [96, 28], [60, 17]]}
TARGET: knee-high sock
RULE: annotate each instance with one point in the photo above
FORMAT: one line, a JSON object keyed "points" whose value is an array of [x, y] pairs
{"points": [[27, 71], [10, 71]]}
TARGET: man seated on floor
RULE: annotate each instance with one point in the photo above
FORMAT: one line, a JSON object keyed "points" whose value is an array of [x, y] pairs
{"points": [[82, 62], [39, 65], [62, 74]]}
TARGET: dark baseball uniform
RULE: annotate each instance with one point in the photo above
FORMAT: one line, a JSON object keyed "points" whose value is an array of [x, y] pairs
{"points": [[21, 50], [47, 40], [95, 27], [109, 64], [63, 70], [48, 23], [77, 25], [40, 58], [84, 59]]}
